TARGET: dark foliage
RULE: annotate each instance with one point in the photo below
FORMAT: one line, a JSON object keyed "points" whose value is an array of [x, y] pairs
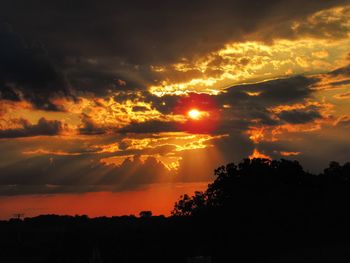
{"points": [[266, 189], [256, 211], [146, 214]]}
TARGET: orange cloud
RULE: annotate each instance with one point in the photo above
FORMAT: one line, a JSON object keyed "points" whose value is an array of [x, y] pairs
{"points": [[284, 153], [48, 152], [342, 96], [258, 134], [251, 62], [257, 154]]}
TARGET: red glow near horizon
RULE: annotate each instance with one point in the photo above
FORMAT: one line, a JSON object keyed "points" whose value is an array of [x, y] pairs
{"points": [[158, 198]]}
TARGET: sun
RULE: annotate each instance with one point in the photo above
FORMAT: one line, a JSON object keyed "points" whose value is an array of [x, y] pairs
{"points": [[194, 114]]}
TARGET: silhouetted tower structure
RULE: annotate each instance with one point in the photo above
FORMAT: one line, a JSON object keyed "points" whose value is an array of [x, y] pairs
{"points": [[18, 217]]}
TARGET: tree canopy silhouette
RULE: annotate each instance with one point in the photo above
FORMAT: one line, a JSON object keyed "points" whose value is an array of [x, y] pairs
{"points": [[269, 188], [254, 211]]}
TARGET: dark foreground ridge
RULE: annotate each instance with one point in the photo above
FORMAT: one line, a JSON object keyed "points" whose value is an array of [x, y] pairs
{"points": [[256, 211]]}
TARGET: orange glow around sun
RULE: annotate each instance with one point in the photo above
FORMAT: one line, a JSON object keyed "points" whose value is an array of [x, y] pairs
{"points": [[194, 114], [201, 113]]}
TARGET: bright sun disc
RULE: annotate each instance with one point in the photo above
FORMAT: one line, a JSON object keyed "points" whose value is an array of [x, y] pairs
{"points": [[194, 114]]}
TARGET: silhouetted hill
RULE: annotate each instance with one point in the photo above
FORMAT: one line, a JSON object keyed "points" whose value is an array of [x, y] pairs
{"points": [[256, 211]]}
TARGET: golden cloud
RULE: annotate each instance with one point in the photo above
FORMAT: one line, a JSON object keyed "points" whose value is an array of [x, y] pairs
{"points": [[257, 154], [321, 44]]}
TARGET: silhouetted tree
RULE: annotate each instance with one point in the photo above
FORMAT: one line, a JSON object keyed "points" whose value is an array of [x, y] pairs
{"points": [[145, 214], [188, 205], [264, 187], [252, 211]]}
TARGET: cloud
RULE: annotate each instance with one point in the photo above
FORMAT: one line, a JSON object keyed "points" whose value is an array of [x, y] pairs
{"points": [[343, 121], [315, 147], [89, 126], [335, 79], [245, 105], [134, 42], [244, 110], [299, 116], [135, 172], [341, 71], [151, 25], [330, 23], [96, 163], [27, 72], [126, 136], [26, 129], [52, 173], [153, 126], [342, 96], [284, 153], [273, 92]]}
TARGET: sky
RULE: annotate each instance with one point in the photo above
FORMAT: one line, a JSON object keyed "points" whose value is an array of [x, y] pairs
{"points": [[114, 107]]}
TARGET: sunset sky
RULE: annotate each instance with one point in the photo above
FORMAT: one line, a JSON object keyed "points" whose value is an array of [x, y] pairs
{"points": [[113, 107]]}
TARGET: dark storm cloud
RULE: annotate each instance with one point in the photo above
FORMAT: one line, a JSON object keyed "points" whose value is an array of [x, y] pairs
{"points": [[135, 172], [43, 127], [25, 70], [314, 147], [340, 83], [49, 174], [101, 75], [152, 30], [299, 116], [246, 109], [273, 92], [7, 93], [97, 44], [165, 104], [150, 127], [235, 147], [89, 127], [341, 71]]}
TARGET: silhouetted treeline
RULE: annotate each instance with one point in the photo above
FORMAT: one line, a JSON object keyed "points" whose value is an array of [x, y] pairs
{"points": [[264, 189], [256, 211]]}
